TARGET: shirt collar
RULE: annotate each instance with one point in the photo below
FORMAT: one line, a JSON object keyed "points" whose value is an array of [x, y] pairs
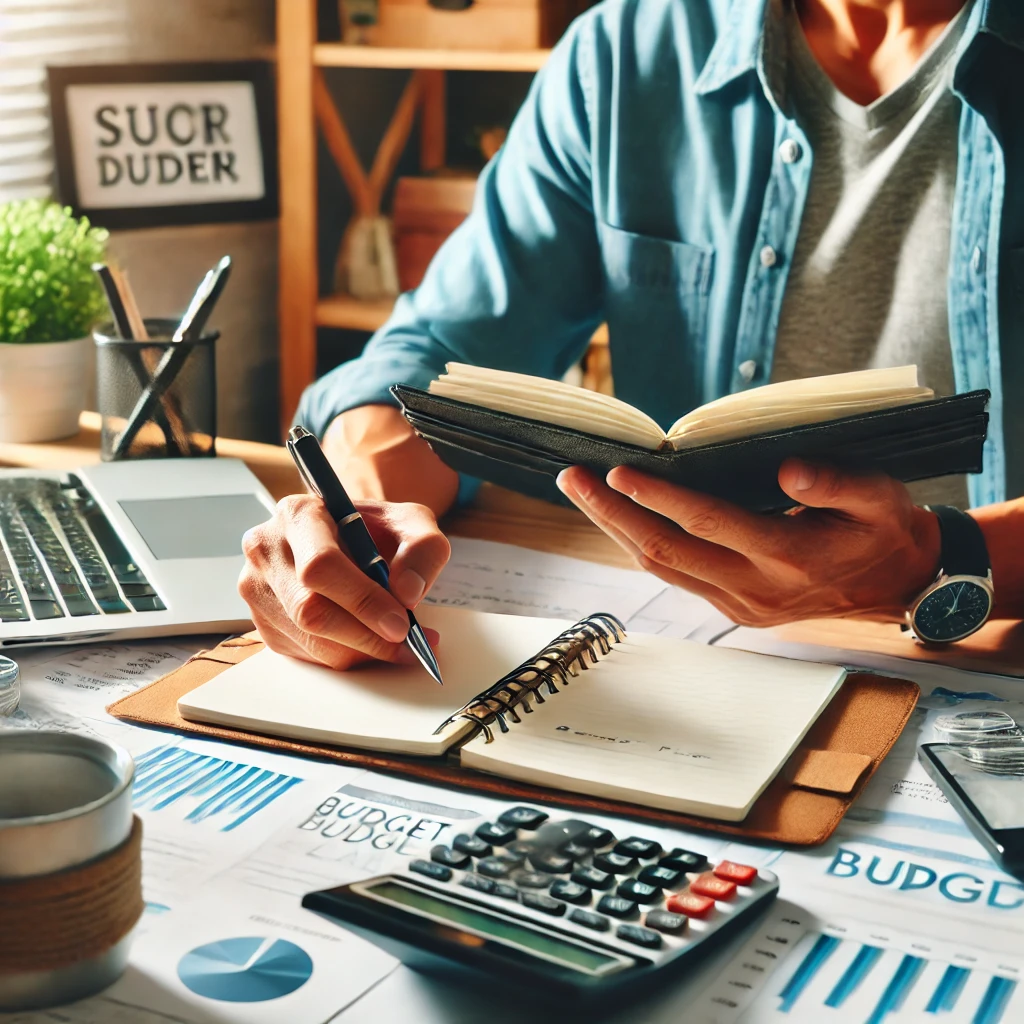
{"points": [[1003, 19], [740, 40], [737, 48]]}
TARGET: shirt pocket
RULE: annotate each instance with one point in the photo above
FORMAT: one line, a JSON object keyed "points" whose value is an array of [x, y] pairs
{"points": [[656, 306]]}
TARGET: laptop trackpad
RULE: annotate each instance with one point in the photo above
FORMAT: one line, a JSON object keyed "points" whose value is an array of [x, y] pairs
{"points": [[208, 526]]}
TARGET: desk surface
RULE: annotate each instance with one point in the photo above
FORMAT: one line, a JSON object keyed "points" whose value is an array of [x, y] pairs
{"points": [[496, 514]]}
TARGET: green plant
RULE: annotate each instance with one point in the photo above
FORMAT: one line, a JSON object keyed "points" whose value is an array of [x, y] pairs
{"points": [[48, 291]]}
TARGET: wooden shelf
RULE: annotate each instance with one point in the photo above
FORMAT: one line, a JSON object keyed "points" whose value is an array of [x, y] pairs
{"points": [[340, 55], [352, 314], [363, 315]]}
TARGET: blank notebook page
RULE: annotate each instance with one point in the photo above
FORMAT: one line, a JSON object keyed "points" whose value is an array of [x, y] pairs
{"points": [[377, 707], [666, 723]]}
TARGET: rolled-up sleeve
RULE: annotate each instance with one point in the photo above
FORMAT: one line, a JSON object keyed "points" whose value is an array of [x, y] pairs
{"points": [[518, 285]]}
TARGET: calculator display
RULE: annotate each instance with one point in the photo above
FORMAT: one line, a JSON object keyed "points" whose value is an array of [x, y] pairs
{"points": [[501, 929]]}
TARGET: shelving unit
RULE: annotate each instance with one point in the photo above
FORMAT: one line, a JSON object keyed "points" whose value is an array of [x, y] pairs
{"points": [[338, 55], [300, 57]]}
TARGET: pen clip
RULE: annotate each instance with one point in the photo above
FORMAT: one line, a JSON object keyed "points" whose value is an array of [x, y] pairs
{"points": [[303, 472]]}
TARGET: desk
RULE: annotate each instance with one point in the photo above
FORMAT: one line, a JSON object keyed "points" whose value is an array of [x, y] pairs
{"points": [[496, 514], [900, 876]]}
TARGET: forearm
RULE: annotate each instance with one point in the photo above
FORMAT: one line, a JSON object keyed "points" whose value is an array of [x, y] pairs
{"points": [[1003, 527], [376, 454]]}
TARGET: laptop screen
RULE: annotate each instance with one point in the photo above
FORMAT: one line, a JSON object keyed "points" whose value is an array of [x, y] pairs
{"points": [[209, 526]]}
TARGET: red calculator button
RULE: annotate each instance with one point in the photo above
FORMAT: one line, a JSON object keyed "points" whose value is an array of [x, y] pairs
{"points": [[716, 888], [690, 904], [730, 871]]}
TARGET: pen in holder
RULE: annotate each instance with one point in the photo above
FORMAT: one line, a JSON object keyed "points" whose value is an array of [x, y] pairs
{"points": [[157, 398]]}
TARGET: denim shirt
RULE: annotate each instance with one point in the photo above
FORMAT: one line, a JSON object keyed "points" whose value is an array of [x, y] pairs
{"points": [[652, 181]]}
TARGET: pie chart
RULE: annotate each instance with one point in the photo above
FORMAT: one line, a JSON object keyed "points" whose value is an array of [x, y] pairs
{"points": [[250, 969]]}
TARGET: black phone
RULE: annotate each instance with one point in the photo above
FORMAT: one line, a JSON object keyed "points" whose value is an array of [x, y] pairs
{"points": [[991, 805]]}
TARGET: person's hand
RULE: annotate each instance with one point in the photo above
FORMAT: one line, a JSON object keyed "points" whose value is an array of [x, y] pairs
{"points": [[309, 600], [857, 547]]}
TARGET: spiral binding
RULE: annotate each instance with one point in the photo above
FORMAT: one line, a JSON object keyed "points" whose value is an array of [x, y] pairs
{"points": [[565, 657]]}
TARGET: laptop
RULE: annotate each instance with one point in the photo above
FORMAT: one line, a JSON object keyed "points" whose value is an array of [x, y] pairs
{"points": [[125, 549]]}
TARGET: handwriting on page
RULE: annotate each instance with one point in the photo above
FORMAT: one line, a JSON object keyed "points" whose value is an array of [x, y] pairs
{"points": [[494, 577]]}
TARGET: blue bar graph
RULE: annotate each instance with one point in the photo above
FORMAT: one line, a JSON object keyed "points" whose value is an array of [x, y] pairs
{"points": [[205, 787], [896, 991], [994, 1001], [858, 970], [948, 990], [823, 948]]}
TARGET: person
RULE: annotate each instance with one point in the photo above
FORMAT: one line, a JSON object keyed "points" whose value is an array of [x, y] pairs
{"points": [[745, 191]]}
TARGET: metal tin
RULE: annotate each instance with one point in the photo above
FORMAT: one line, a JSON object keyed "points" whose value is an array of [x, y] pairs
{"points": [[10, 686], [64, 801]]}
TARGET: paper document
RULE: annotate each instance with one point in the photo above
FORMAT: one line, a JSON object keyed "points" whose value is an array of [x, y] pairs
{"points": [[229, 959]]}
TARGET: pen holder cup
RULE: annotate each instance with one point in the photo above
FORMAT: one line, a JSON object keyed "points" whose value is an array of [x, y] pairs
{"points": [[157, 398]]}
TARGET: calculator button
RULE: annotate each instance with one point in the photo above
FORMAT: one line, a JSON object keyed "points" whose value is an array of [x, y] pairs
{"points": [[716, 888], [496, 835], [741, 874], [506, 891], [634, 846], [430, 869], [683, 860], [553, 863], [641, 892], [554, 835], [616, 906], [572, 892], [513, 857], [616, 863], [449, 857], [589, 919], [540, 901], [639, 936], [593, 878], [471, 845], [523, 817], [690, 904], [665, 921], [595, 837], [493, 867], [575, 850], [664, 878], [477, 883], [531, 879]]}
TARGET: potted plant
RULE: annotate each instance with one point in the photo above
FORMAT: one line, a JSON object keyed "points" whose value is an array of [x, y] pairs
{"points": [[50, 299]]}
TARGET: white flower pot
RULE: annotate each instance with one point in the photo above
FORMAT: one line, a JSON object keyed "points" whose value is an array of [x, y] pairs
{"points": [[43, 388]]}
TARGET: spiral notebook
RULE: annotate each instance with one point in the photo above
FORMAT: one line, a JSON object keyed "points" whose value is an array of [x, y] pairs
{"points": [[650, 720]]}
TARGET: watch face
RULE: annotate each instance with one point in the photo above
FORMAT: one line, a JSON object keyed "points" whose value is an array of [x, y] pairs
{"points": [[952, 611]]}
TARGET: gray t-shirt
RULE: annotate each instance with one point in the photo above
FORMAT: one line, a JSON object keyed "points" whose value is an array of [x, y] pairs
{"points": [[867, 285]]}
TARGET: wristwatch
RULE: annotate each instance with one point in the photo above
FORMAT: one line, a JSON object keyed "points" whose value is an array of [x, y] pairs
{"points": [[959, 601]]}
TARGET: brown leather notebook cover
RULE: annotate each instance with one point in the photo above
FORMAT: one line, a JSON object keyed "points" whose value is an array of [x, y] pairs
{"points": [[802, 806]]}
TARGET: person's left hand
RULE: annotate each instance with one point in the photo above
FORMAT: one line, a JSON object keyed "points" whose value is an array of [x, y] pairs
{"points": [[856, 547]]}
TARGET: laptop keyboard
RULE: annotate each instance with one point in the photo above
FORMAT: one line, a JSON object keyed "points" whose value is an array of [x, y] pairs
{"points": [[60, 556]]}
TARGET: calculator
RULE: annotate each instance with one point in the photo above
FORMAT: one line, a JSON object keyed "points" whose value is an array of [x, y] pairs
{"points": [[558, 903]]}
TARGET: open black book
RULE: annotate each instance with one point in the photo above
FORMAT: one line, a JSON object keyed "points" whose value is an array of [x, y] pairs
{"points": [[521, 431]]}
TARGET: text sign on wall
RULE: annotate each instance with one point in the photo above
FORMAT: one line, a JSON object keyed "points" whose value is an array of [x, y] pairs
{"points": [[157, 145], [137, 153]]}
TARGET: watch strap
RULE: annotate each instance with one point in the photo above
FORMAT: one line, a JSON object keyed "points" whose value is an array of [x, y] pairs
{"points": [[964, 551]]}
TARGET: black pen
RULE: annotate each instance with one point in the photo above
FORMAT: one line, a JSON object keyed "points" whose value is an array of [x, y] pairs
{"points": [[189, 329], [322, 481]]}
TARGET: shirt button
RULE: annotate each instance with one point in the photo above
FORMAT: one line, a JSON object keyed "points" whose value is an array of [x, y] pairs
{"points": [[769, 257], [747, 369], [790, 151], [977, 259]]}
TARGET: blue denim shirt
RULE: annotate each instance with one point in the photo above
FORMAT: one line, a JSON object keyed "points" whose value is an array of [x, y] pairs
{"points": [[649, 181]]}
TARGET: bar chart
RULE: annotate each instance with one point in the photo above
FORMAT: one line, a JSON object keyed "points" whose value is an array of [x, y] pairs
{"points": [[198, 787], [799, 969]]}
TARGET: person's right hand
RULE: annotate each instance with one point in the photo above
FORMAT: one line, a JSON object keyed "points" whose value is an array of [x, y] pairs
{"points": [[309, 600]]}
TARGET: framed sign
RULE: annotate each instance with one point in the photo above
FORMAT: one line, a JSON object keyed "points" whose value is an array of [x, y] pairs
{"points": [[141, 145]]}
